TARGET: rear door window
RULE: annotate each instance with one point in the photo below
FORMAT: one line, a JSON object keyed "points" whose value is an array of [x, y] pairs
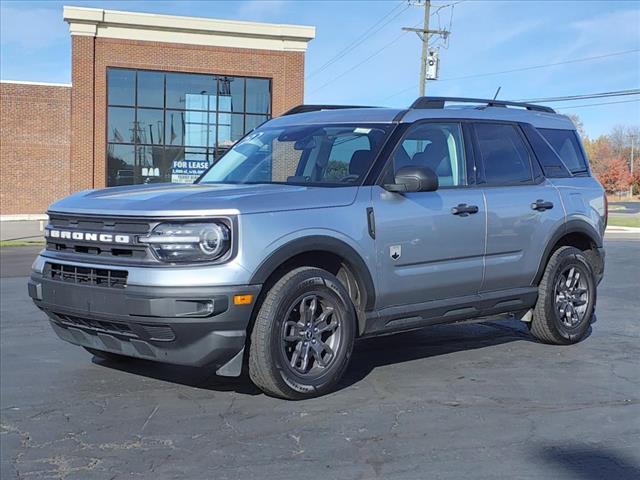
{"points": [[505, 157], [565, 143]]}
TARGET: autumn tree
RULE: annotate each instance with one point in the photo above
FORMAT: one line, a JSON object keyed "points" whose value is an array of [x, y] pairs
{"points": [[610, 156], [635, 180], [615, 177], [598, 150]]}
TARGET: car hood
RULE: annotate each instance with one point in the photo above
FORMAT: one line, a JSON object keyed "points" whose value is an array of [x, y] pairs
{"points": [[172, 199]]}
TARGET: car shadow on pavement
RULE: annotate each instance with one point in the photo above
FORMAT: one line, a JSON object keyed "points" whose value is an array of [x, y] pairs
{"points": [[197, 377], [370, 353], [590, 463]]}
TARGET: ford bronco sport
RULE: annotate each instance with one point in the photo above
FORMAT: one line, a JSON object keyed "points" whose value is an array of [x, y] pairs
{"points": [[328, 224]]}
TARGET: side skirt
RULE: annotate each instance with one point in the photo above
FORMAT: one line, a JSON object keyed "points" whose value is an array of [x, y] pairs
{"points": [[407, 317]]}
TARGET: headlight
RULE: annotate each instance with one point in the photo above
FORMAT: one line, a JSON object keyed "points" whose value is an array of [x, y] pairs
{"points": [[189, 242]]}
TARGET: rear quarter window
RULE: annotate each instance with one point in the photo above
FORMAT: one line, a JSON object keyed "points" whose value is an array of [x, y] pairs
{"points": [[566, 145]]}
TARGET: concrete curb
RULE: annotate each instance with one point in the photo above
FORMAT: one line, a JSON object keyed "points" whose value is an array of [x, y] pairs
{"points": [[26, 217], [615, 229]]}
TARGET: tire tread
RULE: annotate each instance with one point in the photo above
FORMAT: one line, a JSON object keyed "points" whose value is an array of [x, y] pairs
{"points": [[542, 324], [260, 353]]}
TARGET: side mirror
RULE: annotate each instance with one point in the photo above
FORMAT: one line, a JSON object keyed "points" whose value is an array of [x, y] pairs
{"points": [[414, 179]]}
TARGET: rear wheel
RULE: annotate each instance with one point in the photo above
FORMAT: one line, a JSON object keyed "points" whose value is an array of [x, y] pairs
{"points": [[303, 335], [566, 298], [112, 357]]}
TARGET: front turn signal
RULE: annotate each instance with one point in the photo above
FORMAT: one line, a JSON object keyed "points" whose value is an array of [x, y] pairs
{"points": [[242, 299]]}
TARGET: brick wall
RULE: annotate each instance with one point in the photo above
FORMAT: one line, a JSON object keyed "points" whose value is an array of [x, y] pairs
{"points": [[92, 56], [34, 146], [53, 138]]}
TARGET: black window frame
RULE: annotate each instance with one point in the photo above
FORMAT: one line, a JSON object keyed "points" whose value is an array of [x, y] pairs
{"points": [[537, 175], [548, 160], [581, 154], [213, 151]]}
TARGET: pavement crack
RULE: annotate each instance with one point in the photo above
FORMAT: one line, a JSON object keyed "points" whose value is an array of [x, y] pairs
{"points": [[298, 446], [223, 417], [146, 422]]}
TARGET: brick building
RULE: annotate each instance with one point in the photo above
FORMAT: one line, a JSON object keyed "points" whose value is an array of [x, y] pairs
{"points": [[153, 98]]}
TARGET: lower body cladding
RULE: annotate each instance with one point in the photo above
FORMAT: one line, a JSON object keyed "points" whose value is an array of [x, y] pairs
{"points": [[179, 325]]}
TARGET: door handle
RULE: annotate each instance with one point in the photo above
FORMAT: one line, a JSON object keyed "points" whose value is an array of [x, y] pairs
{"points": [[464, 210], [540, 205]]}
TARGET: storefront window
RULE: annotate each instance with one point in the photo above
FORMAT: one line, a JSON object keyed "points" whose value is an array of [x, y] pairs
{"points": [[150, 89], [122, 84], [258, 96], [169, 127]]}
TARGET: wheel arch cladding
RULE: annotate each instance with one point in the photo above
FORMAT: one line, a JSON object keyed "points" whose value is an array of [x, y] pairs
{"points": [[318, 244], [576, 233]]}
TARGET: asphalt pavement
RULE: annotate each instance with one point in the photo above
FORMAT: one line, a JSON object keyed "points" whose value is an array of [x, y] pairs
{"points": [[625, 208], [468, 401]]}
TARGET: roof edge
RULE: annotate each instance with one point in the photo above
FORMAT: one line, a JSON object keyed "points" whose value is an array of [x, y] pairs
{"points": [[42, 84], [98, 22]]}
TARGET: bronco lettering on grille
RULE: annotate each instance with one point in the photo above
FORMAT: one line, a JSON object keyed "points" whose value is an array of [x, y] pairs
{"points": [[87, 236]]}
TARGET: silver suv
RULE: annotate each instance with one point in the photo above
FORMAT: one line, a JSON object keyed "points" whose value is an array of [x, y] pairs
{"points": [[329, 224]]}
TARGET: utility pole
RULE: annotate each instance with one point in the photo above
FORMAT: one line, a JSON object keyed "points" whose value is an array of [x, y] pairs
{"points": [[424, 33]]}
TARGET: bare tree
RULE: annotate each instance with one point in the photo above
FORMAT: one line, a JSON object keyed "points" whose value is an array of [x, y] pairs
{"points": [[621, 137], [578, 123]]}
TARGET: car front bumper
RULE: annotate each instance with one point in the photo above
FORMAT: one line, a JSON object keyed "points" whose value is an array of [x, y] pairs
{"points": [[193, 326]]}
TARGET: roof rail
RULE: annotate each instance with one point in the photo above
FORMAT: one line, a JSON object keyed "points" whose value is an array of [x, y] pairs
{"points": [[438, 102], [315, 108]]}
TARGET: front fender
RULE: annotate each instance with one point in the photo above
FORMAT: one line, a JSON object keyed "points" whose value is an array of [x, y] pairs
{"points": [[324, 240]]}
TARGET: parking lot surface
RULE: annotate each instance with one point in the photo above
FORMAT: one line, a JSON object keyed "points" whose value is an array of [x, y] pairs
{"points": [[479, 400]]}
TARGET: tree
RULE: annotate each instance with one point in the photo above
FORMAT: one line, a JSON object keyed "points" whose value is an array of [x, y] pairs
{"points": [[579, 125], [613, 174], [635, 181], [598, 150], [620, 138]]}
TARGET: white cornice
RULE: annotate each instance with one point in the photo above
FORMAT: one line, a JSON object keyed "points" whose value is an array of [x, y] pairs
{"points": [[97, 22], [43, 84]]}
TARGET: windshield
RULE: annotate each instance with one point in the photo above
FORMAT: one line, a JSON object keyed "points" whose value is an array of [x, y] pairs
{"points": [[329, 155]]}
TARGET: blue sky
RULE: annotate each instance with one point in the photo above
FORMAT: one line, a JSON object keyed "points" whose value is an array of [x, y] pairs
{"points": [[486, 37]]}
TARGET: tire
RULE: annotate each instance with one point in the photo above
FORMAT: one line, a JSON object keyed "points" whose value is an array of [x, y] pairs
{"points": [[566, 298], [112, 357], [288, 325]]}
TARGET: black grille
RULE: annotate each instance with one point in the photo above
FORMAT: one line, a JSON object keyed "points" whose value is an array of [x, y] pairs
{"points": [[96, 224], [96, 325], [113, 253], [100, 277], [159, 332]]}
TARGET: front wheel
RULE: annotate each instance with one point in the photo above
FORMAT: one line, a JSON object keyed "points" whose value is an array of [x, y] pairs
{"points": [[303, 335], [566, 298]]}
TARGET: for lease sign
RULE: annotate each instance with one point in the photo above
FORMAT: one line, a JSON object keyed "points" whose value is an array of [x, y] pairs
{"points": [[187, 171]]}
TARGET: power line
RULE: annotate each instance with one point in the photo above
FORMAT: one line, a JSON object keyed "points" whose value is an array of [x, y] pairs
{"points": [[358, 41], [349, 70], [569, 98], [363, 37], [445, 42], [522, 69], [596, 104], [376, 53]]}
